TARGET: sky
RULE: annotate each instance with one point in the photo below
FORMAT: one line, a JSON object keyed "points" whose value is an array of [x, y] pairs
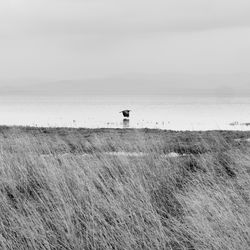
{"points": [[117, 43]]}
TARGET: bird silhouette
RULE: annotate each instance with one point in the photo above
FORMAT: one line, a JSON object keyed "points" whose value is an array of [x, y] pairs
{"points": [[125, 112]]}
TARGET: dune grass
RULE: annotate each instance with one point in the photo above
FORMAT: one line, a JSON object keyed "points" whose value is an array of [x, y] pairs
{"points": [[59, 190]]}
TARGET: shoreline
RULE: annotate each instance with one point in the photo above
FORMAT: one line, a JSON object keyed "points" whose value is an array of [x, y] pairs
{"points": [[123, 130]]}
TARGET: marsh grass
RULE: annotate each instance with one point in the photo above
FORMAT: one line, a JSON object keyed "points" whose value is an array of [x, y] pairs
{"points": [[59, 190]]}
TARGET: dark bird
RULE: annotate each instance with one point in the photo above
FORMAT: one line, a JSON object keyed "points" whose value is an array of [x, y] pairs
{"points": [[125, 112]]}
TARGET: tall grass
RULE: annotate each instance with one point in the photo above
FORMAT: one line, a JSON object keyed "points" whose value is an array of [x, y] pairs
{"points": [[55, 196]]}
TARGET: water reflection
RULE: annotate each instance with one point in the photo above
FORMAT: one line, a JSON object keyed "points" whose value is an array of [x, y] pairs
{"points": [[125, 123]]}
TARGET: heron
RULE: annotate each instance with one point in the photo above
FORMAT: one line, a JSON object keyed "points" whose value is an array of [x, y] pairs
{"points": [[125, 112]]}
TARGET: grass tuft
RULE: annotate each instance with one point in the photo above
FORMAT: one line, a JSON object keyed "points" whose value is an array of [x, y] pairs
{"points": [[59, 189]]}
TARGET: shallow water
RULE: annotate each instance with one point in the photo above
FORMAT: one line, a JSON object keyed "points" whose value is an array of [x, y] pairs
{"points": [[164, 112]]}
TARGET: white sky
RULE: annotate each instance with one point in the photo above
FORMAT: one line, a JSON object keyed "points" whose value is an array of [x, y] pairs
{"points": [[77, 39]]}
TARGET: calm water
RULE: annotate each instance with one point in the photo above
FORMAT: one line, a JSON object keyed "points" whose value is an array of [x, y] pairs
{"points": [[177, 113]]}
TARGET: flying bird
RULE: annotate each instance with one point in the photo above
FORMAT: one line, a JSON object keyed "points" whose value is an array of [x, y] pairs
{"points": [[125, 112]]}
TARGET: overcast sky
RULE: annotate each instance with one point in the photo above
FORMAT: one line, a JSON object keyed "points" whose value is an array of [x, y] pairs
{"points": [[78, 39]]}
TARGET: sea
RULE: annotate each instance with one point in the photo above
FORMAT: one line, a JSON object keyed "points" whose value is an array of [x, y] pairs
{"points": [[101, 111]]}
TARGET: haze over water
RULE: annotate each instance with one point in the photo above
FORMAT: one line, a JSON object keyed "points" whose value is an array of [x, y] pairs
{"points": [[60, 49], [163, 112]]}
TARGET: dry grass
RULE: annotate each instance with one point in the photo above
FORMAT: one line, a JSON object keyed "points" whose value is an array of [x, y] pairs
{"points": [[55, 196]]}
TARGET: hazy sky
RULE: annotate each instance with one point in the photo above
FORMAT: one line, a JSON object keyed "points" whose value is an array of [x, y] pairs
{"points": [[77, 39]]}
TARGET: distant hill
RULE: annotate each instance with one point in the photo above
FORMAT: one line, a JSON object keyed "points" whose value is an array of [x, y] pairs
{"points": [[167, 84]]}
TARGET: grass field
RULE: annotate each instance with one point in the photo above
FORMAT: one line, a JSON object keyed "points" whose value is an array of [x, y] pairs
{"points": [[62, 189]]}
